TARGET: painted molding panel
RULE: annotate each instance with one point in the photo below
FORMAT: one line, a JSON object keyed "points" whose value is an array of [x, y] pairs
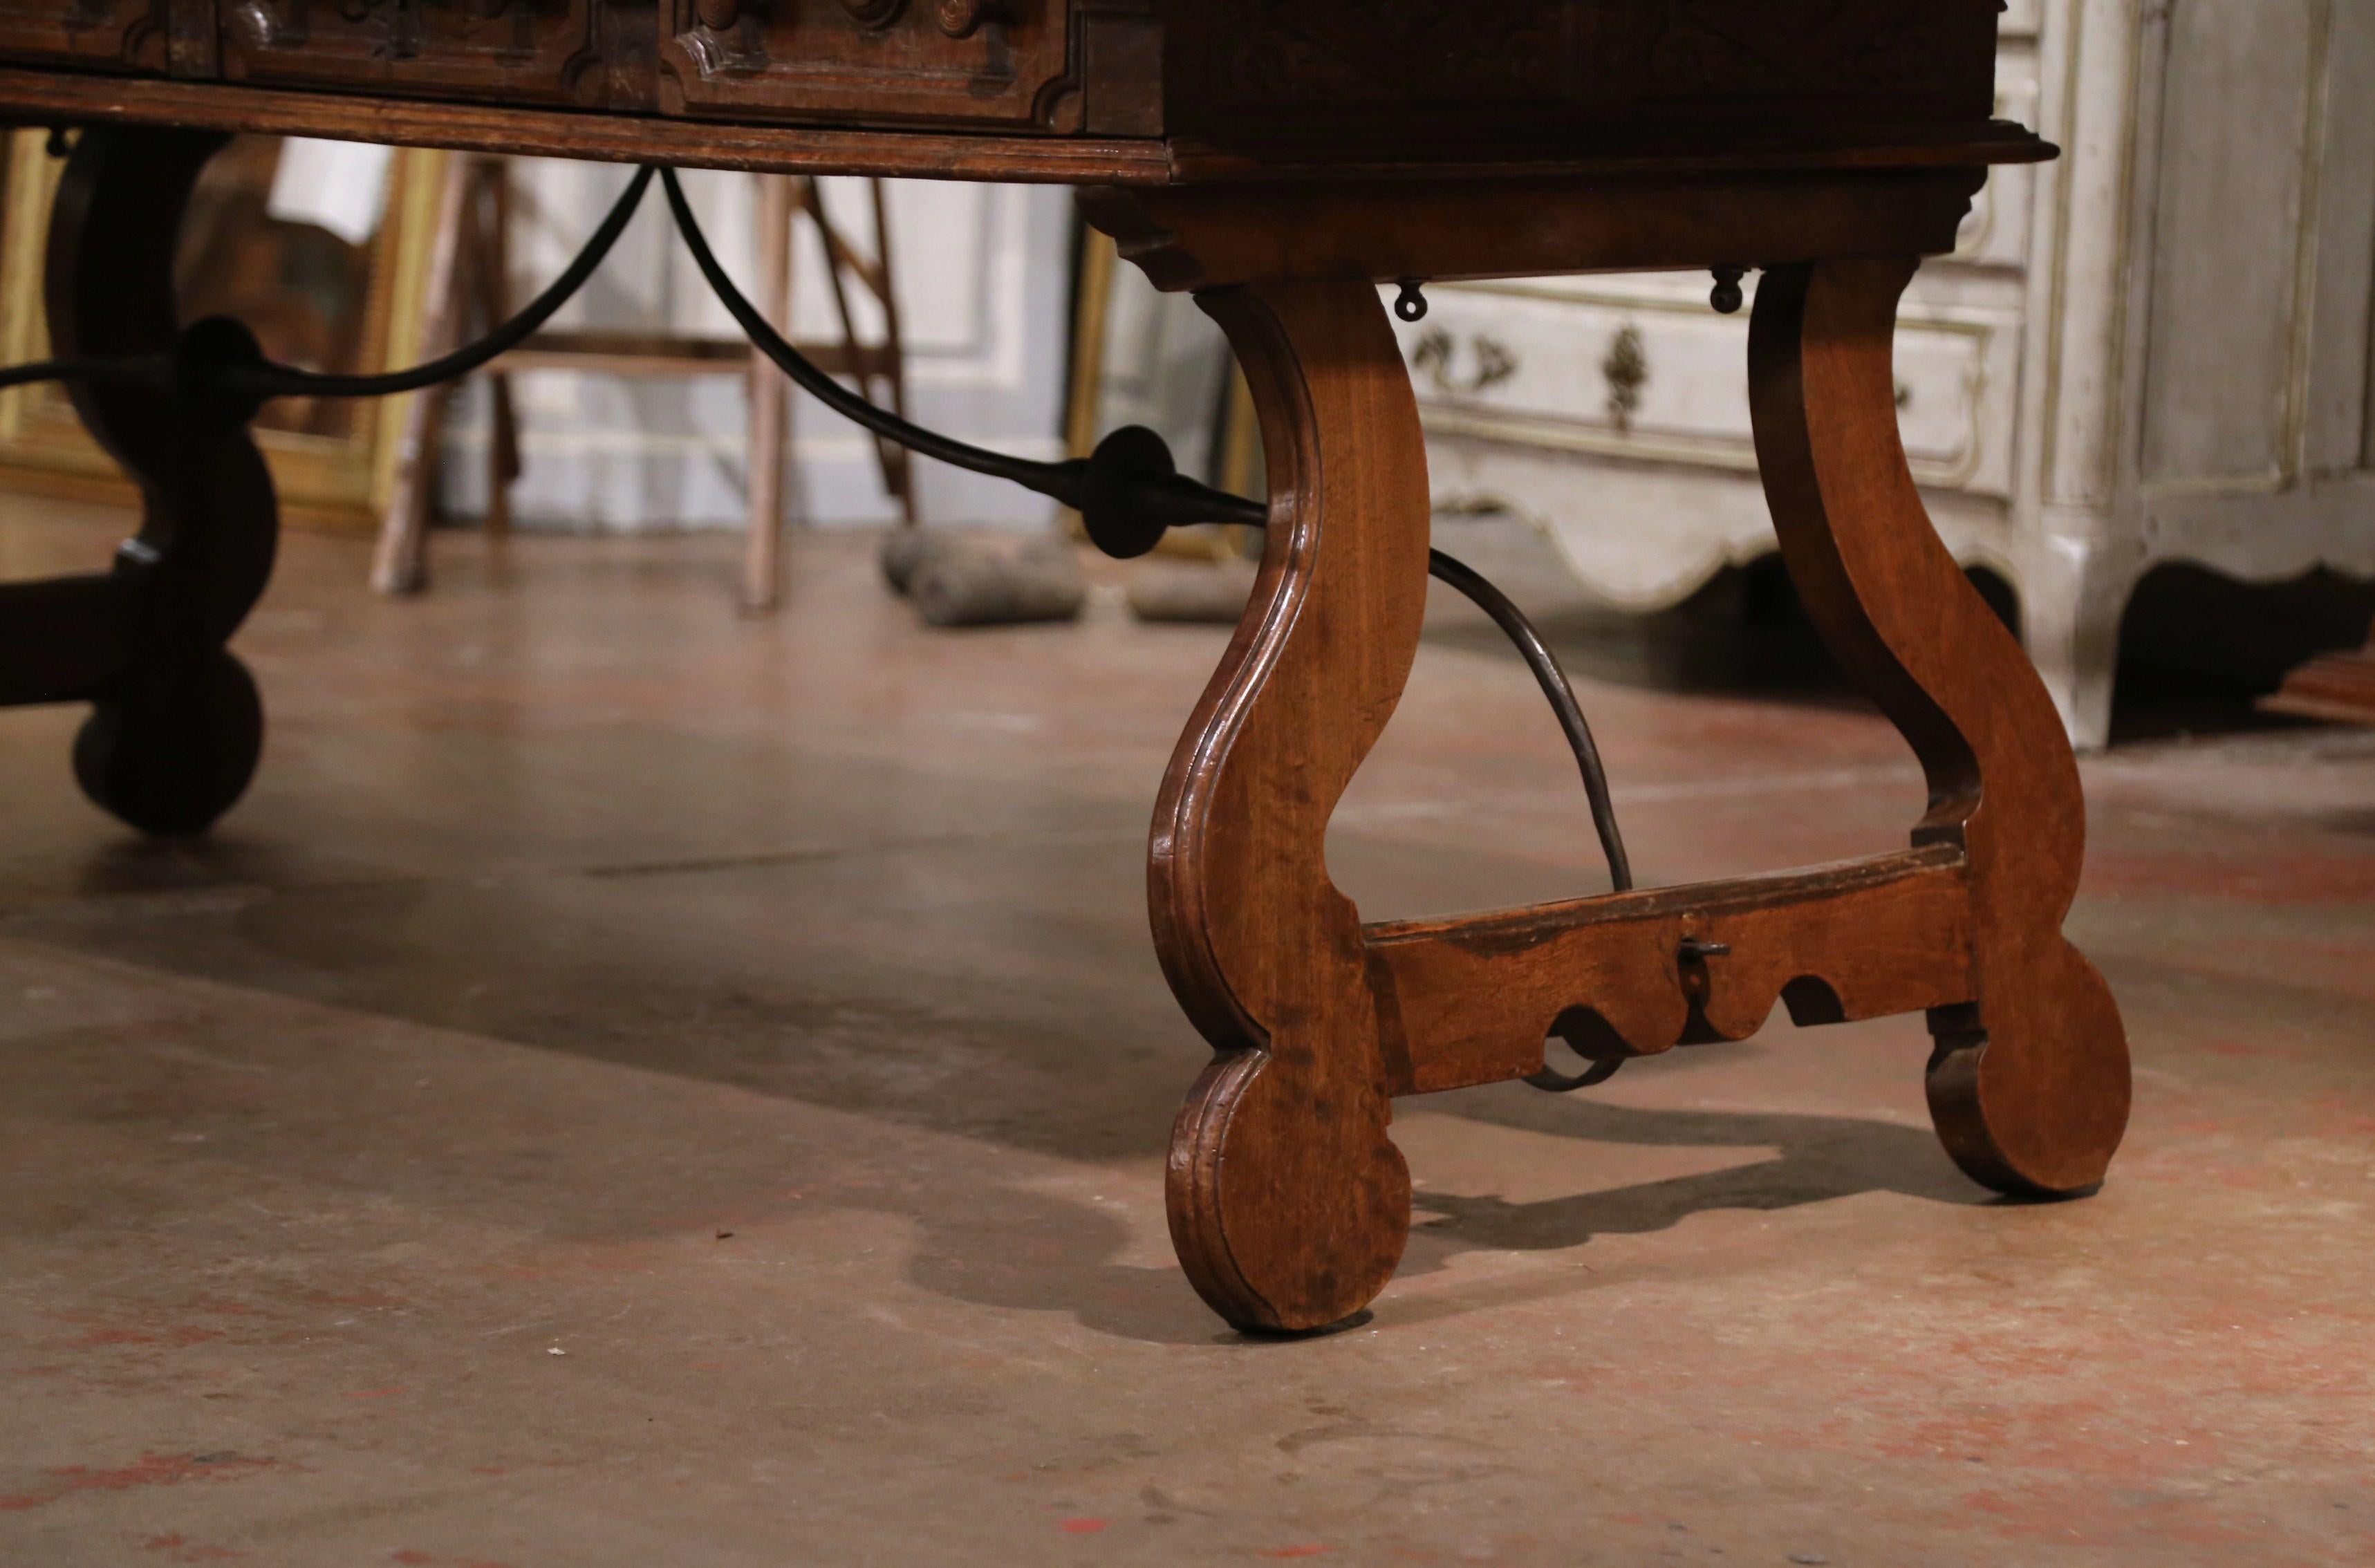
{"points": [[2157, 349], [1589, 367]]}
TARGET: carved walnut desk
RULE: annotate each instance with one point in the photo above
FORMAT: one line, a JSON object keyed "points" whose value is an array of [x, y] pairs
{"points": [[1280, 158]]}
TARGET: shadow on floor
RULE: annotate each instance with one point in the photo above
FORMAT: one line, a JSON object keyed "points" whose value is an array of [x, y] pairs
{"points": [[2197, 650], [1071, 1268], [1042, 1029], [1816, 1159]]}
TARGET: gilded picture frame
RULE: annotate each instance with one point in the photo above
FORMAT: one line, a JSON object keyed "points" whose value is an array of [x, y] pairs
{"points": [[1116, 318], [340, 474]]}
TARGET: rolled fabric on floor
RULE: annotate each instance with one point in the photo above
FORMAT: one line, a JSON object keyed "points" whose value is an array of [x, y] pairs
{"points": [[978, 582], [903, 552], [1212, 592]]}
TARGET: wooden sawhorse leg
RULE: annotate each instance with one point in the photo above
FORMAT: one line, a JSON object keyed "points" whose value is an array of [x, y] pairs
{"points": [[176, 726], [1289, 1203]]}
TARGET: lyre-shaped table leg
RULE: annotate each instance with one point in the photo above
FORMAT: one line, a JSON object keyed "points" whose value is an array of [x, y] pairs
{"points": [[1289, 1203], [176, 726], [2029, 1083]]}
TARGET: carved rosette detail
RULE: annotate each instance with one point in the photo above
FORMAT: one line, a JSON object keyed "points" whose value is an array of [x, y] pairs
{"points": [[962, 19]]}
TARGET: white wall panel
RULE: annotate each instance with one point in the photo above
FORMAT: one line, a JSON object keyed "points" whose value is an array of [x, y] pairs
{"points": [[983, 280]]}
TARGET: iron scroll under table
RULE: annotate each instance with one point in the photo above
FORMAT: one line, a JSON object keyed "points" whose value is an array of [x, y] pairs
{"points": [[1279, 159]]}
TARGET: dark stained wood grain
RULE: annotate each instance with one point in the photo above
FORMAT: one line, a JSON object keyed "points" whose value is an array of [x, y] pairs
{"points": [[876, 63], [41, 97], [44, 98], [1204, 237], [1122, 66], [2030, 1085], [1677, 150], [176, 727], [60, 638], [1136, 91], [525, 51], [1473, 73], [105, 35]]}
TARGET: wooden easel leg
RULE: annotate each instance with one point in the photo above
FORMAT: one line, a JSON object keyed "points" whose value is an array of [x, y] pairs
{"points": [[400, 561], [2029, 1084], [762, 566], [176, 725], [898, 468], [492, 244], [1289, 1204]]}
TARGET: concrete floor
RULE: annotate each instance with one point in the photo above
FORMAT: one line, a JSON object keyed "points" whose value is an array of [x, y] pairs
{"points": [[633, 1086]]}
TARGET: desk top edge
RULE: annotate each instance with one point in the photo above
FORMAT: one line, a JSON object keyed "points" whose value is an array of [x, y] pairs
{"points": [[41, 98]]}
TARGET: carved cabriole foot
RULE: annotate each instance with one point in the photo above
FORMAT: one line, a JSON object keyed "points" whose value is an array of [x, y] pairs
{"points": [[2029, 1084], [1289, 1203], [176, 726]]}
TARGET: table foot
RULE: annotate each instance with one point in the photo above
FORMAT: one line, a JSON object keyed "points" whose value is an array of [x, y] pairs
{"points": [[176, 725], [170, 749]]}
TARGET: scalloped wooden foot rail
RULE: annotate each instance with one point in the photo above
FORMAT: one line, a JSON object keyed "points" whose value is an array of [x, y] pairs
{"points": [[1289, 1203]]}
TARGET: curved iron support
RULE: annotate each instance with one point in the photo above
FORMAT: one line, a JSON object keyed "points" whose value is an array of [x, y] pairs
{"points": [[216, 365], [1129, 492], [1553, 680]]}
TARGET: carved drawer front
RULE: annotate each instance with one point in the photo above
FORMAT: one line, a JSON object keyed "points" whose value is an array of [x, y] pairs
{"points": [[527, 51], [1648, 373], [999, 61], [119, 35]]}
